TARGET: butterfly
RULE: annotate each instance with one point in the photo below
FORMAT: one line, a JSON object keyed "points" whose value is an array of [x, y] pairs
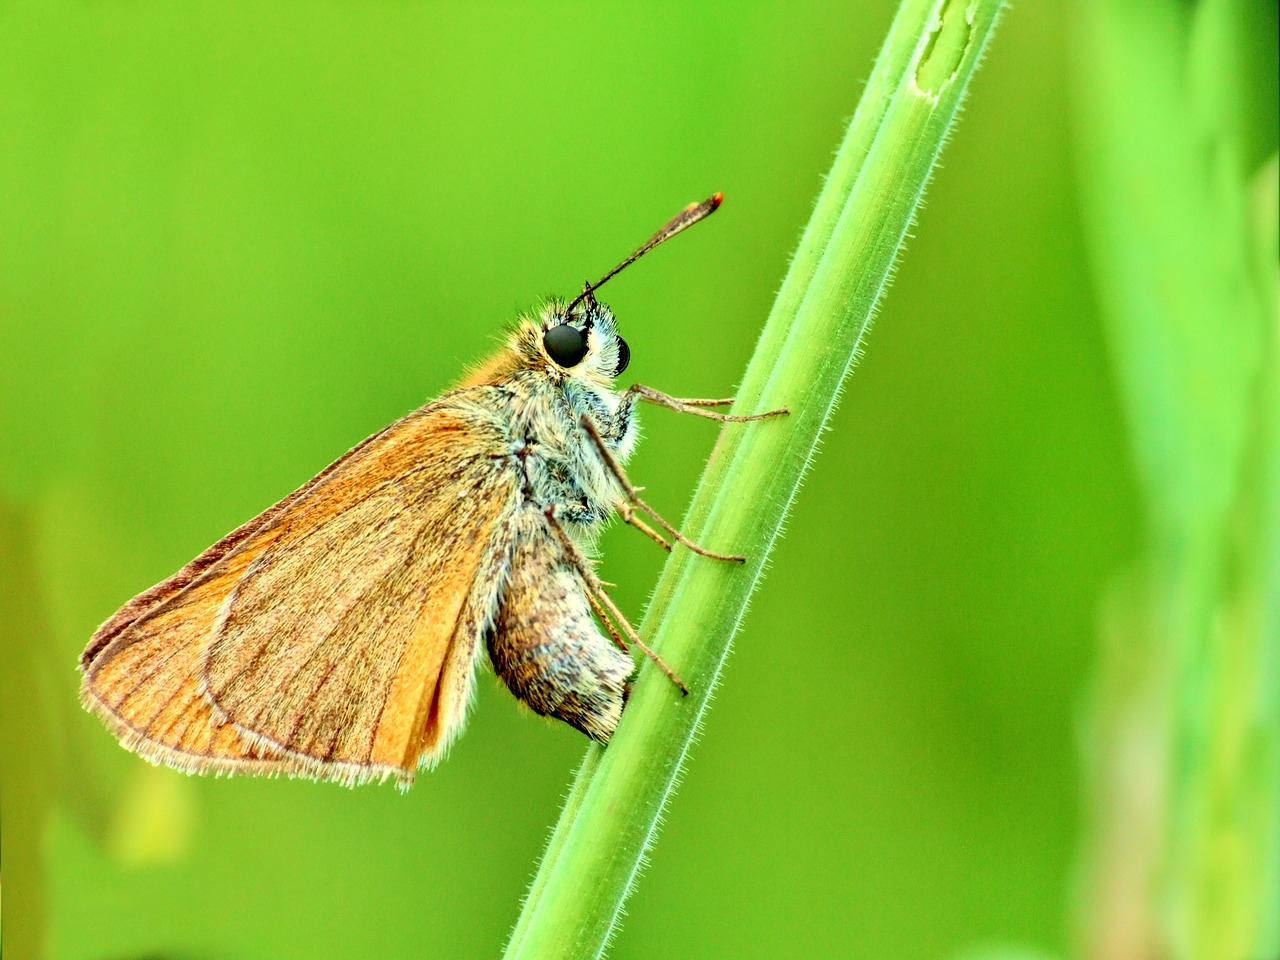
{"points": [[336, 635]]}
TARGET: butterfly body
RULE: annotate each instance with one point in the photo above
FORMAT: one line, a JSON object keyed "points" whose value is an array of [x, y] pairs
{"points": [[544, 642]]}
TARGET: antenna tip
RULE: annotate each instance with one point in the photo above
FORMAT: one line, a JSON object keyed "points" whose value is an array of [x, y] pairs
{"points": [[717, 198]]}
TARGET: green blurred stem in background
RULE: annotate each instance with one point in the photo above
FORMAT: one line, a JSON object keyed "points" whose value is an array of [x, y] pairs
{"points": [[813, 334], [1182, 856]]}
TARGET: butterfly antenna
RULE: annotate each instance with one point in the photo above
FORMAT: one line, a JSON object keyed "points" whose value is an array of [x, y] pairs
{"points": [[681, 221]]}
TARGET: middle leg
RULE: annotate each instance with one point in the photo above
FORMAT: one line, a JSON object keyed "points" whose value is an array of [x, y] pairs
{"points": [[632, 495]]}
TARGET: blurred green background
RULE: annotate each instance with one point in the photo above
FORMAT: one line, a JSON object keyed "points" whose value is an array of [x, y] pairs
{"points": [[237, 238]]}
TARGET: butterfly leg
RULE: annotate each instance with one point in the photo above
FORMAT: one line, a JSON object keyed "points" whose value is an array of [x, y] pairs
{"points": [[698, 407], [603, 617], [599, 598], [628, 515], [626, 508]]}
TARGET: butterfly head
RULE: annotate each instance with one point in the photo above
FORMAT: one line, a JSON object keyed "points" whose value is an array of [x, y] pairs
{"points": [[579, 341]]}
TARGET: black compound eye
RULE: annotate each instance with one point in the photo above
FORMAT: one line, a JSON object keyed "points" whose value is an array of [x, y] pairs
{"points": [[624, 357], [566, 345]]}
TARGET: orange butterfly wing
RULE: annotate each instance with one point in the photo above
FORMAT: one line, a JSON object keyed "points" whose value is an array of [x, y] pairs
{"points": [[335, 635]]}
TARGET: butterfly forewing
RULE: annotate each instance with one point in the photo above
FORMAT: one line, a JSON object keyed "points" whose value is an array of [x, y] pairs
{"points": [[336, 638]]}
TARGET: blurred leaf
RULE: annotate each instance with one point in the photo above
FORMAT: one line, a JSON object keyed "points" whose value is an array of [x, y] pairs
{"points": [[1162, 107], [153, 821], [1004, 952]]}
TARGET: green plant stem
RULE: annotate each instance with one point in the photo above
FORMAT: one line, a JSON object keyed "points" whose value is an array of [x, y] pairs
{"points": [[813, 334]]}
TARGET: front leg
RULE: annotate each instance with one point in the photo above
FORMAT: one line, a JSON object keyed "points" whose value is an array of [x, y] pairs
{"points": [[694, 406]]}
